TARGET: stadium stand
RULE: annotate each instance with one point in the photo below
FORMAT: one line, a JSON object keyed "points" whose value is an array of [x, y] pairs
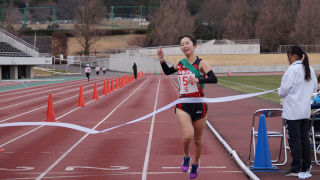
{"points": [[17, 57], [8, 50]]}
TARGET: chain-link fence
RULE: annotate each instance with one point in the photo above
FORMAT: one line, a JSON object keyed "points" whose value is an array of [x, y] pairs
{"points": [[306, 48], [129, 17]]}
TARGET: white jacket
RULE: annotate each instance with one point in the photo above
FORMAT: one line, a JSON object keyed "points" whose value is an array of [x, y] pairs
{"points": [[87, 69], [297, 92]]}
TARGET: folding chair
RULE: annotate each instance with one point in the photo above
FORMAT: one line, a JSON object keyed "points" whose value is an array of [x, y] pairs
{"points": [[269, 114], [314, 135]]}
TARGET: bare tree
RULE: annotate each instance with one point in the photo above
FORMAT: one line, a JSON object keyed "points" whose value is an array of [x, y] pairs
{"points": [[12, 17], [88, 15], [170, 21], [239, 22], [213, 12], [307, 23], [273, 24]]}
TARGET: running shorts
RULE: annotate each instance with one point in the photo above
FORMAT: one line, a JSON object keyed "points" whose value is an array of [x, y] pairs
{"points": [[195, 110]]}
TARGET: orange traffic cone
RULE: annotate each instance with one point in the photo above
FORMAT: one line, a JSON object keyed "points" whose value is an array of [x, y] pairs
{"points": [[108, 88], [111, 86], [118, 83], [81, 98], [50, 111], [105, 90], [155, 74], [229, 74], [161, 73], [95, 92]]}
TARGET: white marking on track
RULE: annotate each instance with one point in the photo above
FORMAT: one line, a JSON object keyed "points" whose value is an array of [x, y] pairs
{"points": [[201, 167], [146, 159], [18, 168], [86, 135], [111, 168]]}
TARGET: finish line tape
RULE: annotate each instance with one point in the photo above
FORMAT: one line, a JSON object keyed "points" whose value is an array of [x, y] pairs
{"points": [[178, 101]]}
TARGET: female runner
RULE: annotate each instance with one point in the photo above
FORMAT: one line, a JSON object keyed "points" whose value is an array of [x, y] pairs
{"points": [[192, 117]]}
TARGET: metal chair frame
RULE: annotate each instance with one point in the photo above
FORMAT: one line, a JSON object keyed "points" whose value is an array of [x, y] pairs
{"points": [[269, 113], [315, 135]]}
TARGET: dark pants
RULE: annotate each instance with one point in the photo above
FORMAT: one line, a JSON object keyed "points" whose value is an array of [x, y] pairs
{"points": [[135, 74], [299, 142], [88, 75]]}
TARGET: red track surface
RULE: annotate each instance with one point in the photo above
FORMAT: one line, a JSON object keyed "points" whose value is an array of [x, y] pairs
{"points": [[150, 149]]}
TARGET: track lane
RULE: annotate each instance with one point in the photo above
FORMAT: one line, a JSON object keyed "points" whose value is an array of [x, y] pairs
{"points": [[40, 144], [96, 152], [167, 151], [38, 114], [42, 95], [111, 149]]}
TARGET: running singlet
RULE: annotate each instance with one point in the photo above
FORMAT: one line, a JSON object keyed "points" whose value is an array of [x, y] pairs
{"points": [[186, 88]]}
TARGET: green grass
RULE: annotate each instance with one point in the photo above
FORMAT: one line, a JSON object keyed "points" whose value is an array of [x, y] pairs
{"points": [[252, 84]]}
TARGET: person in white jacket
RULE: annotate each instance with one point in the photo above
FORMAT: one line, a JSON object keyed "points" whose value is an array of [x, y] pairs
{"points": [[88, 71], [297, 86]]}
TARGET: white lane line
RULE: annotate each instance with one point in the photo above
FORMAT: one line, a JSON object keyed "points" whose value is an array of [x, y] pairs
{"points": [[202, 167], [44, 96], [31, 131], [86, 135], [32, 90], [146, 159], [44, 106]]}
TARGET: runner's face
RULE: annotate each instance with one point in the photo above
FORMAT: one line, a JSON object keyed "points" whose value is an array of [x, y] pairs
{"points": [[187, 46]]}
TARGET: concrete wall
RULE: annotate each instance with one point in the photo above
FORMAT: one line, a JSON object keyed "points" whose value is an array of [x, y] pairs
{"points": [[30, 73], [206, 49], [24, 60], [13, 72], [123, 62], [22, 47]]}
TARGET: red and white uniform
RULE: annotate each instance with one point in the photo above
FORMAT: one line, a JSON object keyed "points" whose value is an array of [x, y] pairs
{"points": [[186, 88]]}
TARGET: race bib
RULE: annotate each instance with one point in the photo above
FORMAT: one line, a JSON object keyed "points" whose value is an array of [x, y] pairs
{"points": [[187, 87]]}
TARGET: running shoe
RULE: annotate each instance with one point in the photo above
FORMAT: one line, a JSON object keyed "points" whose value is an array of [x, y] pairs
{"points": [[185, 164], [306, 174], [194, 171], [290, 173]]}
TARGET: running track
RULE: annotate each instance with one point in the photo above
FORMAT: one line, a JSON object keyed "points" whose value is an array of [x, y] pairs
{"points": [[150, 149]]}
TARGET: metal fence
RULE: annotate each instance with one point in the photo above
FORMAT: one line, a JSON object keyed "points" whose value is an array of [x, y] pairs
{"points": [[306, 48]]}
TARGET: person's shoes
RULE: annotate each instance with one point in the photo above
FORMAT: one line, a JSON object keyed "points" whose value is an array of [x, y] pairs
{"points": [[194, 171], [185, 164], [306, 174], [290, 173]]}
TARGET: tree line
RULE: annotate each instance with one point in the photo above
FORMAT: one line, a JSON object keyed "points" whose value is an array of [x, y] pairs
{"points": [[274, 22]]}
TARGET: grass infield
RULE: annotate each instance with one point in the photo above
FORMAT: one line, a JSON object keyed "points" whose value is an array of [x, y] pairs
{"points": [[252, 84]]}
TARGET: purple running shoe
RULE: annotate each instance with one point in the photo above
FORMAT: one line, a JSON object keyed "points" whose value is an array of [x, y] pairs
{"points": [[185, 164], [194, 171]]}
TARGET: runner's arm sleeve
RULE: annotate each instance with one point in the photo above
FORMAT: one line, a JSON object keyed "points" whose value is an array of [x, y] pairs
{"points": [[166, 68], [210, 79]]}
